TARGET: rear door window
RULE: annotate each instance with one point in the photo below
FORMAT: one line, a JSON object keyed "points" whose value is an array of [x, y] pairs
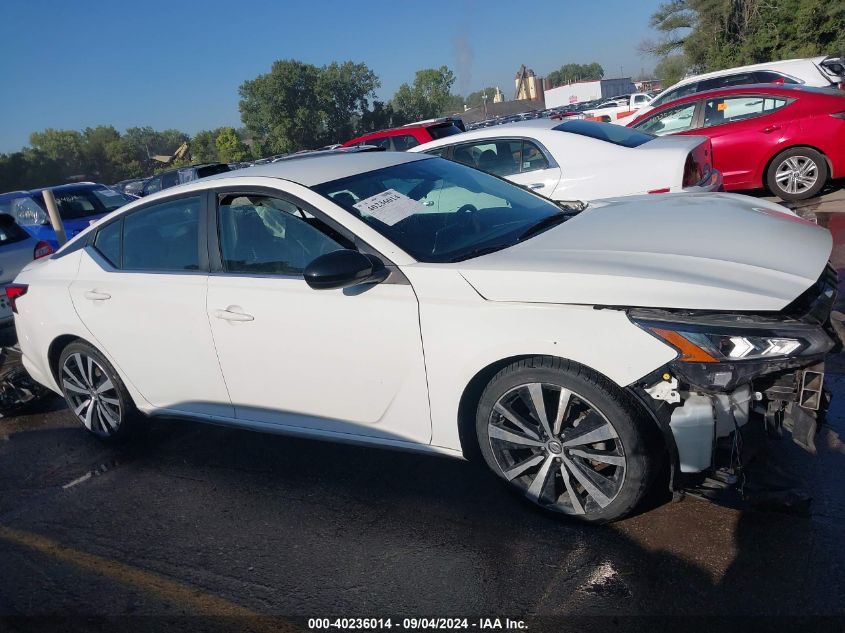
{"points": [[677, 93], [732, 109], [163, 237], [404, 142], [107, 242]]}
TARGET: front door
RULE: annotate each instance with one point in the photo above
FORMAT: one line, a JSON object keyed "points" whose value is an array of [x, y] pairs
{"points": [[347, 361], [140, 291]]}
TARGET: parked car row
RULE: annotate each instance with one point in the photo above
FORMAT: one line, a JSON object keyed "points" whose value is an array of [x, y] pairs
{"points": [[583, 160], [788, 138]]}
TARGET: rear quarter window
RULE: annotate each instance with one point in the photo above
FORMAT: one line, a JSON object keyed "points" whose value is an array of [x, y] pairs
{"points": [[10, 232], [616, 134]]}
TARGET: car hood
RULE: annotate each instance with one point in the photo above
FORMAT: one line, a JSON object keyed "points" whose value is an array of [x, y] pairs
{"points": [[688, 251]]}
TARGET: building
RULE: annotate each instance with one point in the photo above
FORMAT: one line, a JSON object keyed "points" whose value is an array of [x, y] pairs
{"points": [[528, 85], [579, 91]]}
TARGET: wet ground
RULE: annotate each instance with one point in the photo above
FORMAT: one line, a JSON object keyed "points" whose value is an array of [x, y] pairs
{"points": [[195, 526]]}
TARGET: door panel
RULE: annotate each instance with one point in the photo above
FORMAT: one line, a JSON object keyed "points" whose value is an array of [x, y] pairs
{"points": [[347, 361], [154, 326], [542, 181], [338, 360]]}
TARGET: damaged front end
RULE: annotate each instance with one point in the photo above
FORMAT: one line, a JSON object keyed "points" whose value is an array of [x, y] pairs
{"points": [[737, 375]]}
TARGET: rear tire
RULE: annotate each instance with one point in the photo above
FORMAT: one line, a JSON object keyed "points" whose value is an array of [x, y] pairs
{"points": [[95, 393], [566, 439], [797, 174]]}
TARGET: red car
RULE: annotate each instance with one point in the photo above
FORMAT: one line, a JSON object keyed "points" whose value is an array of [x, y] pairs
{"points": [[789, 138], [403, 138]]}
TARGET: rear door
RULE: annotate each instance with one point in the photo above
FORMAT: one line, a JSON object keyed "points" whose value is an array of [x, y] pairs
{"points": [[141, 290]]}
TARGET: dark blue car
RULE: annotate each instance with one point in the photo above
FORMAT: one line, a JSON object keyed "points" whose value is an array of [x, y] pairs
{"points": [[79, 204]]}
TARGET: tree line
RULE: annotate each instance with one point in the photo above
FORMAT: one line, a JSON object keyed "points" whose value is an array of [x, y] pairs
{"points": [[294, 106], [704, 35]]}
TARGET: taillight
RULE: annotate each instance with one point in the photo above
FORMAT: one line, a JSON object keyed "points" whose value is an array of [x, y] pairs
{"points": [[42, 249], [693, 172], [838, 115], [663, 190], [15, 292]]}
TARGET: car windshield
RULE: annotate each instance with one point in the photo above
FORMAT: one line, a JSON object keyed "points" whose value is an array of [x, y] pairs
{"points": [[81, 203], [442, 131], [616, 134], [440, 211]]}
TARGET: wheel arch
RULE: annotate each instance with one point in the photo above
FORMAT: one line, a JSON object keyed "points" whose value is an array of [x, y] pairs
{"points": [[762, 177], [471, 396], [54, 352]]}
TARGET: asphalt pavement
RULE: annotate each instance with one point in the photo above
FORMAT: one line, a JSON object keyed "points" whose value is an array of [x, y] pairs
{"points": [[193, 526]]}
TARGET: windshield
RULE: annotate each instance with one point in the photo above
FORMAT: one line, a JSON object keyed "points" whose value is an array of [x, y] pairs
{"points": [[610, 132], [440, 211], [442, 131]]}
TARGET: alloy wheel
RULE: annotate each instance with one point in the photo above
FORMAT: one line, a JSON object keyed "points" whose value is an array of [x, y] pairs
{"points": [[91, 394], [557, 448], [797, 174]]}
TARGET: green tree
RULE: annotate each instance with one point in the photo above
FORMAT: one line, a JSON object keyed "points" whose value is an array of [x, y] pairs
{"points": [[230, 148], [427, 97], [670, 70], [204, 146], [717, 34], [575, 72], [299, 106], [62, 147], [475, 99]]}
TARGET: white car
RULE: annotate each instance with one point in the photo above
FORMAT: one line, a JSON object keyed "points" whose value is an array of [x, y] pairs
{"points": [[584, 160], [822, 72], [320, 297]]}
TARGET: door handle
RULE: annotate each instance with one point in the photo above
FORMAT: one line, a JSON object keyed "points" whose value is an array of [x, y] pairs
{"points": [[536, 185], [770, 128], [93, 295], [228, 315]]}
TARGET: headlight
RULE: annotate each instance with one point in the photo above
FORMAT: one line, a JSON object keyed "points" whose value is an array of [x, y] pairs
{"points": [[715, 347], [723, 351]]}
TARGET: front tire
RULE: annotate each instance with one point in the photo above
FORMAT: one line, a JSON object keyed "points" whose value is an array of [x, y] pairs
{"points": [[797, 174], [95, 394], [566, 439]]}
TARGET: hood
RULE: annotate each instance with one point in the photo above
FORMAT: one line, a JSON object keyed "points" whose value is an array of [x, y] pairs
{"points": [[688, 251]]}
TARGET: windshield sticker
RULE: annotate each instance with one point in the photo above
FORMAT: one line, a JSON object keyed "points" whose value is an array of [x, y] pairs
{"points": [[389, 206]]}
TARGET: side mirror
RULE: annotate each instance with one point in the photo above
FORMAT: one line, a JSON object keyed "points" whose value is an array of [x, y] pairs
{"points": [[344, 268]]}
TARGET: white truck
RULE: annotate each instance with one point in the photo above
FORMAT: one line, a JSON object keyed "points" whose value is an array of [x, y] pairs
{"points": [[619, 107]]}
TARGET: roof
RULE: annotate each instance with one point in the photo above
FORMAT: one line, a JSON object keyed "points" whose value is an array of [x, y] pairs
{"points": [[319, 167], [784, 90], [74, 186]]}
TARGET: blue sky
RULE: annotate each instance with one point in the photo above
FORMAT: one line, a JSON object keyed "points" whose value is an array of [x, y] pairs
{"points": [[178, 64]]}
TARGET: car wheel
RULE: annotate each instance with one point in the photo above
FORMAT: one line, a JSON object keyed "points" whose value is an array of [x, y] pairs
{"points": [[95, 393], [797, 174], [566, 439]]}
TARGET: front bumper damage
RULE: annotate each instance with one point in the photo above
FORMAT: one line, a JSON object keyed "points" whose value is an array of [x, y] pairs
{"points": [[715, 433]]}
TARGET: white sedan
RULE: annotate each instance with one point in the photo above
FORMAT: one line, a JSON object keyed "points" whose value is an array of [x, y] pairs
{"points": [[584, 160], [322, 297]]}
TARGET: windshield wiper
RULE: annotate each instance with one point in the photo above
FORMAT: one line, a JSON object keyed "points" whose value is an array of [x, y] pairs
{"points": [[571, 205], [543, 225], [478, 252]]}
